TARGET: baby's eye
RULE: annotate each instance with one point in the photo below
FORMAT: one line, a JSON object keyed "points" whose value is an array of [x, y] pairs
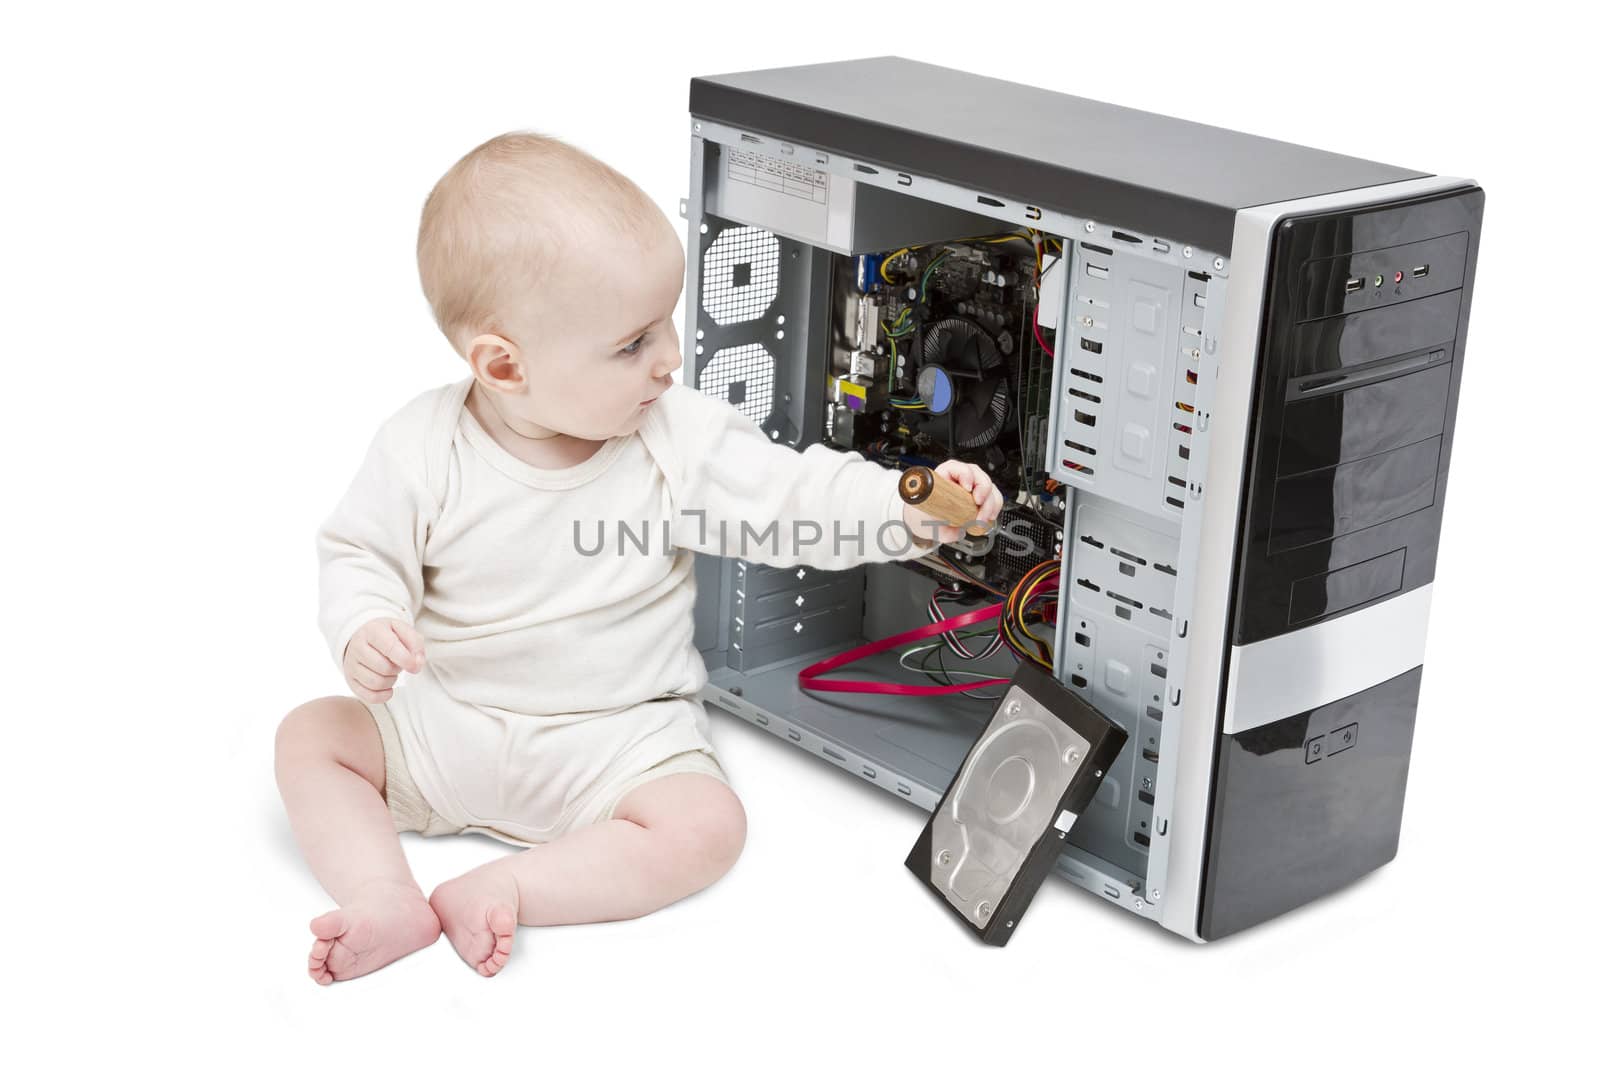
{"points": [[634, 346]]}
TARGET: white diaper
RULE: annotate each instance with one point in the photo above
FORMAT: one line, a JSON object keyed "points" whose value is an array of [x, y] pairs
{"points": [[453, 768]]}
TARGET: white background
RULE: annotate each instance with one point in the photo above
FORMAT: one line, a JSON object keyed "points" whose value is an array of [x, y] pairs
{"points": [[210, 301]]}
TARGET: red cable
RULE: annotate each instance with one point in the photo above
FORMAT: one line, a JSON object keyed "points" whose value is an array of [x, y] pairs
{"points": [[808, 677], [1037, 336]]}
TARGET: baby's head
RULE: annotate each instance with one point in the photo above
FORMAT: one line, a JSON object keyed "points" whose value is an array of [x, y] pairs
{"points": [[555, 277]]}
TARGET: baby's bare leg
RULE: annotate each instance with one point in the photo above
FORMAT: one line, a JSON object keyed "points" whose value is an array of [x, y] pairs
{"points": [[667, 839], [330, 773]]}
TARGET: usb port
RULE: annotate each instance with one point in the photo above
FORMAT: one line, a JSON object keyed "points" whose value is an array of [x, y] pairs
{"points": [[1420, 272], [1355, 284]]}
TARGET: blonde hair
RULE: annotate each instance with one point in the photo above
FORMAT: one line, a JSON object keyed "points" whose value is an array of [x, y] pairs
{"points": [[497, 223]]}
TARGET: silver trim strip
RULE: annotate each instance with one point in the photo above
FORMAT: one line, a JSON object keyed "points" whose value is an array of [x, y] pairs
{"points": [[1304, 669], [1230, 427]]}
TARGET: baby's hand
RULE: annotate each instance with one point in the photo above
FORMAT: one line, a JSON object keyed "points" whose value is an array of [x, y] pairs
{"points": [[973, 479], [377, 654]]}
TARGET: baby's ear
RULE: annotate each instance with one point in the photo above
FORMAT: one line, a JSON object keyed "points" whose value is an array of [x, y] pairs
{"points": [[495, 361]]}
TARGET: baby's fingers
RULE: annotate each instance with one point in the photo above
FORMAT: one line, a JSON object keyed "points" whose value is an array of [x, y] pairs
{"points": [[368, 656], [401, 644], [373, 681], [371, 696]]}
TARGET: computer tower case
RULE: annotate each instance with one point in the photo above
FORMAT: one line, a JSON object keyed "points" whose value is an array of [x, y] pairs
{"points": [[1231, 407]]}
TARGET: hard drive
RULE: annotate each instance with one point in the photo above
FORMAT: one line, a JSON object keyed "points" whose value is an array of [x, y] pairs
{"points": [[999, 828]]}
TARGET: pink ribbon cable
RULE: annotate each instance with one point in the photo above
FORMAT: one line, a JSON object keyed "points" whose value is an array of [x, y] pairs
{"points": [[808, 677]]}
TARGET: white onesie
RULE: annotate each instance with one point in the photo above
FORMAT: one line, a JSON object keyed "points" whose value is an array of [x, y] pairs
{"points": [[557, 605]]}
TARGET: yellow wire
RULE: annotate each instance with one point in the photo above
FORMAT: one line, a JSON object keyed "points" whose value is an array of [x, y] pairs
{"points": [[1023, 607]]}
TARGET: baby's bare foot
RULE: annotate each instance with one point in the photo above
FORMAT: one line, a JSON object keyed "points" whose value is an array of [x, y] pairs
{"points": [[479, 915], [376, 928]]}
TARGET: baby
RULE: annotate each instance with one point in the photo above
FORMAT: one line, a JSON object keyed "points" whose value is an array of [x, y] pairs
{"points": [[496, 547]]}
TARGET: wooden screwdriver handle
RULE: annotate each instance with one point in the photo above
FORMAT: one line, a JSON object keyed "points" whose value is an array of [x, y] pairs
{"points": [[933, 493]]}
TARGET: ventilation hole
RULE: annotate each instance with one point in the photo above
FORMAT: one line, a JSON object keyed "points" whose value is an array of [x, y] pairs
{"points": [[1191, 377], [826, 751], [1128, 237], [1183, 452], [1181, 406], [1096, 270], [1080, 681], [748, 139], [1175, 481], [1091, 346], [990, 201], [1154, 713], [1167, 568], [743, 376], [1142, 838], [1160, 614], [1081, 395], [1081, 638], [739, 275], [1095, 378], [1128, 600], [1146, 798], [1087, 584], [1158, 670], [1152, 755], [1085, 449], [864, 169], [1128, 556], [1174, 501], [1123, 613], [1199, 276], [1087, 247], [1181, 428], [1083, 417], [1091, 542], [1127, 569], [1079, 467]]}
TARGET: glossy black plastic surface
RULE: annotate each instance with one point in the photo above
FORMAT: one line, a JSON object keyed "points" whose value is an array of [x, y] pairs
{"points": [[1354, 409], [1307, 804]]}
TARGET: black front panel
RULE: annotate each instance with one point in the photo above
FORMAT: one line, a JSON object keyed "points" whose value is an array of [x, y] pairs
{"points": [[1360, 368], [1307, 804]]}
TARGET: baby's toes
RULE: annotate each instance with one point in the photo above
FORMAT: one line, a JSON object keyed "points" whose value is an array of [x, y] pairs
{"points": [[317, 964], [502, 925]]}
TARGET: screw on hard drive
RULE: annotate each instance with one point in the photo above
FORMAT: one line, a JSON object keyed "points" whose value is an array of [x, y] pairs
{"points": [[944, 858], [984, 910], [1072, 755]]}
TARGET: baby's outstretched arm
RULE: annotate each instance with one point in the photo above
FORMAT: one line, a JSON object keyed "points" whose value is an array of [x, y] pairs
{"points": [[755, 499]]}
